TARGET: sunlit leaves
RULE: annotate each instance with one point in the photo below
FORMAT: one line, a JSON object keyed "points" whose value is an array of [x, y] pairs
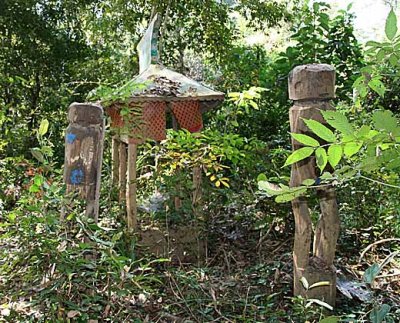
{"points": [[338, 121], [384, 120], [299, 155], [44, 126], [322, 158], [335, 153], [391, 25], [320, 130], [305, 140]]}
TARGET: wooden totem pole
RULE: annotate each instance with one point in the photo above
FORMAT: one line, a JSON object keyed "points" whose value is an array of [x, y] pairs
{"points": [[311, 87], [83, 153]]}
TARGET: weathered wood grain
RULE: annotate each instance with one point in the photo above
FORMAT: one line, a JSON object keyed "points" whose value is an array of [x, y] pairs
{"points": [[84, 152]]}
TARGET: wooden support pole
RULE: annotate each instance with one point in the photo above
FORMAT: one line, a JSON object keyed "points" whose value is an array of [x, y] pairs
{"points": [[177, 199], [131, 207], [84, 153], [197, 191], [122, 171], [311, 87], [115, 160]]}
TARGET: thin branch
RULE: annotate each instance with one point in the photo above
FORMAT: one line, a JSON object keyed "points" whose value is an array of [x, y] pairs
{"points": [[379, 182], [374, 244]]}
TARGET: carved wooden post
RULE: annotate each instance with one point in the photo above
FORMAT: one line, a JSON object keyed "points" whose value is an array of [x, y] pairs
{"points": [[311, 87], [84, 153]]}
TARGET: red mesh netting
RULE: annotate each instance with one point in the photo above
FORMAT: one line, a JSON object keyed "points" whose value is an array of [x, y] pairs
{"points": [[152, 125], [116, 119], [188, 115]]}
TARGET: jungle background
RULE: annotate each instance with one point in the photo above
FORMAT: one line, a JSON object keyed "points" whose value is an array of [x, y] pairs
{"points": [[56, 52]]}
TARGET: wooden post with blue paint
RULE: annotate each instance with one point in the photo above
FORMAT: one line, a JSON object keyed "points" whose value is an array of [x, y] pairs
{"points": [[84, 153]]}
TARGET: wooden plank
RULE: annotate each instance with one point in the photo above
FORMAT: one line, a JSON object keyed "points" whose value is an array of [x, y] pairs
{"points": [[131, 206]]}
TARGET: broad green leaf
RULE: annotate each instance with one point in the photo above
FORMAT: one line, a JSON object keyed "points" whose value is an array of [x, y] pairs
{"points": [[44, 126], [308, 182], [269, 188], [391, 25], [298, 155], [37, 154], [363, 131], [393, 60], [380, 55], [305, 140], [372, 43], [335, 153], [322, 158], [261, 177], [338, 121], [384, 120], [379, 314], [371, 273], [351, 148], [286, 197], [320, 130], [376, 85]]}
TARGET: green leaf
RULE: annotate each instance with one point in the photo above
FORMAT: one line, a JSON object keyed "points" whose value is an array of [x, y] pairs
{"points": [[308, 182], [320, 130], [305, 140], [338, 121], [371, 273], [261, 177], [376, 85], [298, 155], [379, 314], [335, 153], [286, 197], [322, 158], [351, 148], [384, 120], [393, 60], [269, 188], [391, 25], [44, 126]]}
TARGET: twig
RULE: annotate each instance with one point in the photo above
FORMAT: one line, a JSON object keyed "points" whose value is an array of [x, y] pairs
{"points": [[379, 182], [374, 244]]}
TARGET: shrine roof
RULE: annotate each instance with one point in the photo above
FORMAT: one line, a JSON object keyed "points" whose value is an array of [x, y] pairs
{"points": [[160, 83]]}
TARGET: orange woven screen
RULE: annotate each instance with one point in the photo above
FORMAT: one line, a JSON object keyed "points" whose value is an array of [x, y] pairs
{"points": [[152, 125], [114, 113], [188, 115]]}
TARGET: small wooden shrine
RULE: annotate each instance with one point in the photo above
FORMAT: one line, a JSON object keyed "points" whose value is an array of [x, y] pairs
{"points": [[157, 92]]}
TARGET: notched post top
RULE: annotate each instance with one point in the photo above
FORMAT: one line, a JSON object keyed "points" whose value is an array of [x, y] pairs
{"points": [[312, 82], [85, 114]]}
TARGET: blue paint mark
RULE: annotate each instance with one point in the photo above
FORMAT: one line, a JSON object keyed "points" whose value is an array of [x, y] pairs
{"points": [[70, 137], [76, 176]]}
